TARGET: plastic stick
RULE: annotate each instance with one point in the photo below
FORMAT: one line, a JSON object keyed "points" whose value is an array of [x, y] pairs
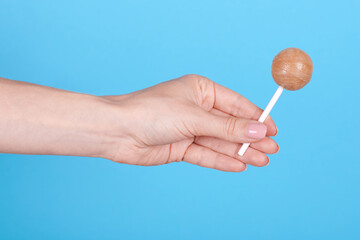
{"points": [[264, 116]]}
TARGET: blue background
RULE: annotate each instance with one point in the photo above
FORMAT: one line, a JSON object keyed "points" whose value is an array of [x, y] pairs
{"points": [[310, 190]]}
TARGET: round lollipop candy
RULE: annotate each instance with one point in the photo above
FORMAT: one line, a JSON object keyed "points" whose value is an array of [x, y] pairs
{"points": [[291, 69]]}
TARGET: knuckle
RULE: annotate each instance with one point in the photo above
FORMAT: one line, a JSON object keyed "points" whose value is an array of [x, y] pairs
{"points": [[237, 109], [203, 87], [230, 127], [198, 81], [217, 145], [218, 161], [194, 78]]}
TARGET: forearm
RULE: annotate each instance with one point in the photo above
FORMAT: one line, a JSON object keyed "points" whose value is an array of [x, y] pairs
{"points": [[42, 120]]}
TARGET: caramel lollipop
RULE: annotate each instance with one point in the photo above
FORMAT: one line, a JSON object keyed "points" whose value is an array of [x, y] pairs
{"points": [[291, 69]]}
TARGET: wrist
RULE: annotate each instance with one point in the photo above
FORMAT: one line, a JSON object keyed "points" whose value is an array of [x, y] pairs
{"points": [[108, 127], [97, 127]]}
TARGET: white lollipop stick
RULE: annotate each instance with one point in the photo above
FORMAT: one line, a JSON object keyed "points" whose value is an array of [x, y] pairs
{"points": [[264, 116]]}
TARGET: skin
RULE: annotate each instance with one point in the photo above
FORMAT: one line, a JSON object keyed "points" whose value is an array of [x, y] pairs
{"points": [[191, 119]]}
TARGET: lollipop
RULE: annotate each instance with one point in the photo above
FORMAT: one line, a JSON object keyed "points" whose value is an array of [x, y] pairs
{"points": [[291, 69]]}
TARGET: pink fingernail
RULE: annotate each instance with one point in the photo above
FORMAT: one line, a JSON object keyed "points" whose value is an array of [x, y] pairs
{"points": [[256, 130]]}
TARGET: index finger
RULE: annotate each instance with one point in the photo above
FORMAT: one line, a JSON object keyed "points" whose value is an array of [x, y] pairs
{"points": [[231, 102]]}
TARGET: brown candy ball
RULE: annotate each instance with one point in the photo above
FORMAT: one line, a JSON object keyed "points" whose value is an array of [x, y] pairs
{"points": [[292, 68]]}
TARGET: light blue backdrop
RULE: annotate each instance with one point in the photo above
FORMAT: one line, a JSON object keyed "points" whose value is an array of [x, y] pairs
{"points": [[309, 191]]}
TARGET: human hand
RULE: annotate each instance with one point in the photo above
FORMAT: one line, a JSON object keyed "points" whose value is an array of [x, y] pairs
{"points": [[189, 119]]}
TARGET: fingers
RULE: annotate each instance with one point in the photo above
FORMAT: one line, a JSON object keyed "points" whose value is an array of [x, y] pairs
{"points": [[229, 128], [253, 156], [231, 102], [206, 157], [266, 145], [271, 128]]}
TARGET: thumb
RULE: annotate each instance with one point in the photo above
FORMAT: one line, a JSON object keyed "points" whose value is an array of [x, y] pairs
{"points": [[232, 129]]}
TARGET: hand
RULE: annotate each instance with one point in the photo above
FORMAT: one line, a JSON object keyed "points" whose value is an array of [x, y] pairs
{"points": [[189, 119]]}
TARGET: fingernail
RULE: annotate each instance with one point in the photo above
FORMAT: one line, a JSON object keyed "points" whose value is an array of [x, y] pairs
{"points": [[277, 130], [268, 161], [256, 130], [278, 149]]}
